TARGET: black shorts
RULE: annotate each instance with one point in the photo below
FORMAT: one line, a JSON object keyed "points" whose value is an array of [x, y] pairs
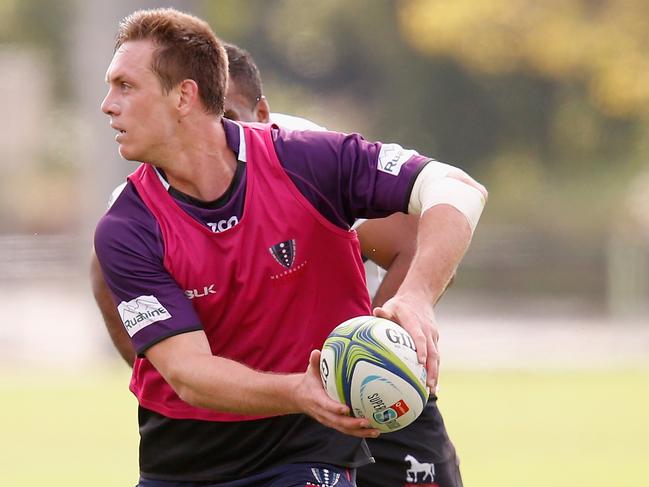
{"points": [[420, 455], [291, 475]]}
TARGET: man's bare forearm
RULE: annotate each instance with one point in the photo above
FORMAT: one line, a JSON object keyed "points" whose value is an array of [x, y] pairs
{"points": [[443, 238], [204, 380], [109, 313]]}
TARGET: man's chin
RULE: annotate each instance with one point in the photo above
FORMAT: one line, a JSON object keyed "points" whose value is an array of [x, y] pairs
{"points": [[128, 155]]}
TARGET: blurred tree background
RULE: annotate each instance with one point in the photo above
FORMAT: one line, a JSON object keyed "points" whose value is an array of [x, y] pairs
{"points": [[544, 102]]}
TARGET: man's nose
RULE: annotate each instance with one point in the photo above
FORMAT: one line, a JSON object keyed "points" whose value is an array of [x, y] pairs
{"points": [[109, 106]]}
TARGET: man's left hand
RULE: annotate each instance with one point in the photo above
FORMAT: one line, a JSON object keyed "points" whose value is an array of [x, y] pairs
{"points": [[415, 314]]}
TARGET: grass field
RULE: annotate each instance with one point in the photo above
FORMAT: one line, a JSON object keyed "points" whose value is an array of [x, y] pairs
{"points": [[512, 429]]}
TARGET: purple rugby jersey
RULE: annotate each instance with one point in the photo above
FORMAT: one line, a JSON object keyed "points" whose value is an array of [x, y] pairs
{"points": [[342, 175]]}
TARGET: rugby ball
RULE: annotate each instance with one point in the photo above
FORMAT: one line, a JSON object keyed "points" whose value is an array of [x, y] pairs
{"points": [[370, 364]]}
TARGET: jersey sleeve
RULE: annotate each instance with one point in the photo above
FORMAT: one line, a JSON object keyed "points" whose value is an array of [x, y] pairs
{"points": [[151, 305], [347, 177]]}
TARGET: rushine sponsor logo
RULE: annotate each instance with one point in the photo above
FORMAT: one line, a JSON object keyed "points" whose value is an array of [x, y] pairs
{"points": [[392, 157], [141, 312]]}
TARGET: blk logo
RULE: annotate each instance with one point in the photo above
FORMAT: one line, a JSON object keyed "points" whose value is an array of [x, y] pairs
{"points": [[199, 293]]}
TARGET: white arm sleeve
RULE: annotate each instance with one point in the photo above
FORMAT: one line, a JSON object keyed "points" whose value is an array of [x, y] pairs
{"points": [[358, 223], [434, 186], [294, 123]]}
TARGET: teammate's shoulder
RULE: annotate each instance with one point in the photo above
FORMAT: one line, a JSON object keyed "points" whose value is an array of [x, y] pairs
{"points": [[116, 193], [126, 213], [124, 199], [291, 122]]}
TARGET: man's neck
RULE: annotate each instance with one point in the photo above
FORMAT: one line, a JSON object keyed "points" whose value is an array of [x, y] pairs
{"points": [[203, 165]]}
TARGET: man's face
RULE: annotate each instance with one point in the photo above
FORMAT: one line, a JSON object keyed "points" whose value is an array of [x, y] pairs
{"points": [[239, 107], [139, 110]]}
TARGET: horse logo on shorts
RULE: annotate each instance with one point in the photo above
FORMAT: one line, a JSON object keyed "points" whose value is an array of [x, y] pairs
{"points": [[427, 470]]}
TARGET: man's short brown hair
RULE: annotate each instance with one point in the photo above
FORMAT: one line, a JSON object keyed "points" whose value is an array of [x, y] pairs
{"points": [[186, 48]]}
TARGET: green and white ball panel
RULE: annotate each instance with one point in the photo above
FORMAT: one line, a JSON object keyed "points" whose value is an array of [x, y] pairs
{"points": [[394, 338], [370, 364], [331, 365]]}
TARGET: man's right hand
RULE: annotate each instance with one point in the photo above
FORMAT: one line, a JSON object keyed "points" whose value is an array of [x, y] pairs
{"points": [[312, 399]]}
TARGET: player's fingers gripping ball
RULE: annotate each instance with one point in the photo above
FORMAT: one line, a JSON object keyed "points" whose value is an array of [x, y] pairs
{"points": [[370, 364]]}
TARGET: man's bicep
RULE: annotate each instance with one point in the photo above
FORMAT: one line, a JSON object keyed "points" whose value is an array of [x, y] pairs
{"points": [[346, 177], [381, 178], [106, 305]]}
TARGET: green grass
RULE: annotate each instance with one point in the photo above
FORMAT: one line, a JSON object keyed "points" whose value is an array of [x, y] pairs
{"points": [[511, 428], [68, 430], [537, 429]]}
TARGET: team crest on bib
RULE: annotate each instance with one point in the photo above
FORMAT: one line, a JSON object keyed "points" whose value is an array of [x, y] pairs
{"points": [[285, 253], [420, 474], [324, 478]]}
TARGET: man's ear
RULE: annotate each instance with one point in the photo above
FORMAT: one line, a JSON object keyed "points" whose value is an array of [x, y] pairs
{"points": [[187, 96], [262, 110]]}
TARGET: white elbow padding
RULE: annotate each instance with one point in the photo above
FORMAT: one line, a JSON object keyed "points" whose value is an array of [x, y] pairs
{"points": [[435, 187]]}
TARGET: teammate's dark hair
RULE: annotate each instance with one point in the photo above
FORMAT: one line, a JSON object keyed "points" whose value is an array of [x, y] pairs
{"points": [[244, 72], [186, 48]]}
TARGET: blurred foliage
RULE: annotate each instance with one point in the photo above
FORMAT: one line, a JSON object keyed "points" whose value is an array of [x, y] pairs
{"points": [[43, 25], [39, 167], [603, 43]]}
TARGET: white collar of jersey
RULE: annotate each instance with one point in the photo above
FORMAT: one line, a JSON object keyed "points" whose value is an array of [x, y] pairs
{"points": [[162, 180], [242, 144]]}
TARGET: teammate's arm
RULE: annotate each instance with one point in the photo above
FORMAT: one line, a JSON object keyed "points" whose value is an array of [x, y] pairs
{"points": [[204, 380], [390, 243], [104, 300], [109, 313]]}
